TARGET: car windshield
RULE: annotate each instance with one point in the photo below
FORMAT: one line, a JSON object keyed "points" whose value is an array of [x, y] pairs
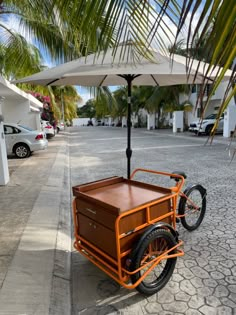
{"points": [[212, 116], [27, 128]]}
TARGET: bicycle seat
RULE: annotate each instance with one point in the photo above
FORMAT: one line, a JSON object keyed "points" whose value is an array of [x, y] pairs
{"points": [[178, 173]]}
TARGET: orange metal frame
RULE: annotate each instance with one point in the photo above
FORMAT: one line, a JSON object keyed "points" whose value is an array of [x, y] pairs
{"points": [[113, 267]]}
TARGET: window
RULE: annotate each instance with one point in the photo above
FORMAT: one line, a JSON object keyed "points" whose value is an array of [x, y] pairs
{"points": [[9, 130]]}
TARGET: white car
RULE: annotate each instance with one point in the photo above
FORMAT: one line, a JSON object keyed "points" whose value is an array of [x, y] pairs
{"points": [[206, 125], [22, 141], [60, 126], [48, 129]]}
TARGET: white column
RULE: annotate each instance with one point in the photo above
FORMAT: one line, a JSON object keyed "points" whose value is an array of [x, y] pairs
{"points": [[150, 121], [124, 121], [4, 173], [229, 119], [178, 121]]}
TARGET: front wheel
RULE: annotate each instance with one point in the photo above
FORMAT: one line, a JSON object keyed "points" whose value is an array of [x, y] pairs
{"points": [[193, 207], [156, 243]]}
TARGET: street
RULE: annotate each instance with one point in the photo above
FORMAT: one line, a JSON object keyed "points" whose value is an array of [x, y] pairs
{"points": [[204, 280]]}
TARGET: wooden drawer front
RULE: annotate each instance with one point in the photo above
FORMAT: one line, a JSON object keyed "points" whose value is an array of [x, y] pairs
{"points": [[98, 235], [161, 209], [104, 238], [97, 213], [133, 220]]}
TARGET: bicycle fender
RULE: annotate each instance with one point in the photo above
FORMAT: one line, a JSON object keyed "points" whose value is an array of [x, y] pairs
{"points": [[158, 225]]}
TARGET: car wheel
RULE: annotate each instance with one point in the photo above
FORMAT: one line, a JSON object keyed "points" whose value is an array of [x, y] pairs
{"points": [[208, 130], [21, 150]]}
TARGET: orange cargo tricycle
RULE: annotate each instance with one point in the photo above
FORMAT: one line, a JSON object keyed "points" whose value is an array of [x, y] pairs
{"points": [[128, 228]]}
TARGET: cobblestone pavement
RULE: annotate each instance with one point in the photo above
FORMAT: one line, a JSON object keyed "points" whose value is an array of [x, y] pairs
{"points": [[204, 280]]}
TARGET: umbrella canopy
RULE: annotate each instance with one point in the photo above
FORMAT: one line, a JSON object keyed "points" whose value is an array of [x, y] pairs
{"points": [[96, 70], [126, 67]]}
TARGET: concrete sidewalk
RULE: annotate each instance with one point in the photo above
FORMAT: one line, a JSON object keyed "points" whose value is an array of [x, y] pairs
{"points": [[35, 248]]}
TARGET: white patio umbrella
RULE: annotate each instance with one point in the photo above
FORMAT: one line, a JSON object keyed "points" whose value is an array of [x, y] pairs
{"points": [[126, 67]]}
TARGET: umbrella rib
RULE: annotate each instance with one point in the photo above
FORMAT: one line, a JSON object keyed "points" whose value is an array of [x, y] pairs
{"points": [[52, 81], [104, 78], [154, 80]]}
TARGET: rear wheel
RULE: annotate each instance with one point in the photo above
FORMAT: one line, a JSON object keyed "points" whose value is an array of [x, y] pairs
{"points": [[193, 207], [155, 244], [21, 151]]}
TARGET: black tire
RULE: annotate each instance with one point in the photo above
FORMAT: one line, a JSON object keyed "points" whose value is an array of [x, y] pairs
{"points": [[21, 150], [208, 129], [193, 218], [158, 240]]}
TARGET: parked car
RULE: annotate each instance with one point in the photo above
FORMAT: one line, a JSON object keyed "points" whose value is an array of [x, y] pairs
{"points": [[22, 141], [48, 129], [206, 125], [60, 126]]}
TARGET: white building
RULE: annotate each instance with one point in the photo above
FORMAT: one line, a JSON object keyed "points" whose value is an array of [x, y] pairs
{"points": [[16, 106]]}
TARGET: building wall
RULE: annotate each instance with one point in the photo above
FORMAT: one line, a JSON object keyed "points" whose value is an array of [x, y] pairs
{"points": [[19, 112]]}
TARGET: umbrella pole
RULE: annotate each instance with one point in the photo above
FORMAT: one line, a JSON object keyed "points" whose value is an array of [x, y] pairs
{"points": [[129, 79]]}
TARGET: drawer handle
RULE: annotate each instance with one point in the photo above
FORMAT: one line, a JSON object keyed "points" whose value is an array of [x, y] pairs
{"points": [[93, 225], [90, 210]]}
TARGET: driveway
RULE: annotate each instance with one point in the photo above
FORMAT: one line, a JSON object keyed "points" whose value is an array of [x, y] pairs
{"points": [[204, 280]]}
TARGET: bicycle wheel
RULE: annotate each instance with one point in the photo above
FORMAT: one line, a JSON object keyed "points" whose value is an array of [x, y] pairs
{"points": [[193, 207], [155, 244]]}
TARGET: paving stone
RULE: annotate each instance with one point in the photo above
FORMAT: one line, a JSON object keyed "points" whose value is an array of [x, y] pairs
{"points": [[224, 310], [232, 288], [197, 282], [186, 273], [227, 301], [231, 279], [208, 310], [187, 287], [153, 308], [182, 296], [210, 283], [205, 291], [199, 272], [221, 291], [177, 277], [233, 270], [213, 301], [216, 275], [202, 261], [224, 270], [190, 263], [164, 296], [177, 306], [173, 287], [192, 312], [196, 302]]}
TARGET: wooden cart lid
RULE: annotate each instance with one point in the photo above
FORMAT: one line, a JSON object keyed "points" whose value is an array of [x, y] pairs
{"points": [[119, 194]]}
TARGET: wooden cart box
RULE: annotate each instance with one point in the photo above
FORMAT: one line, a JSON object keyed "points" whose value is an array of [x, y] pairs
{"points": [[100, 203]]}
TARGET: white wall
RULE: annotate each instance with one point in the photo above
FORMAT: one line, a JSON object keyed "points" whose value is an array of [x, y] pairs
{"points": [[82, 121], [19, 112]]}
